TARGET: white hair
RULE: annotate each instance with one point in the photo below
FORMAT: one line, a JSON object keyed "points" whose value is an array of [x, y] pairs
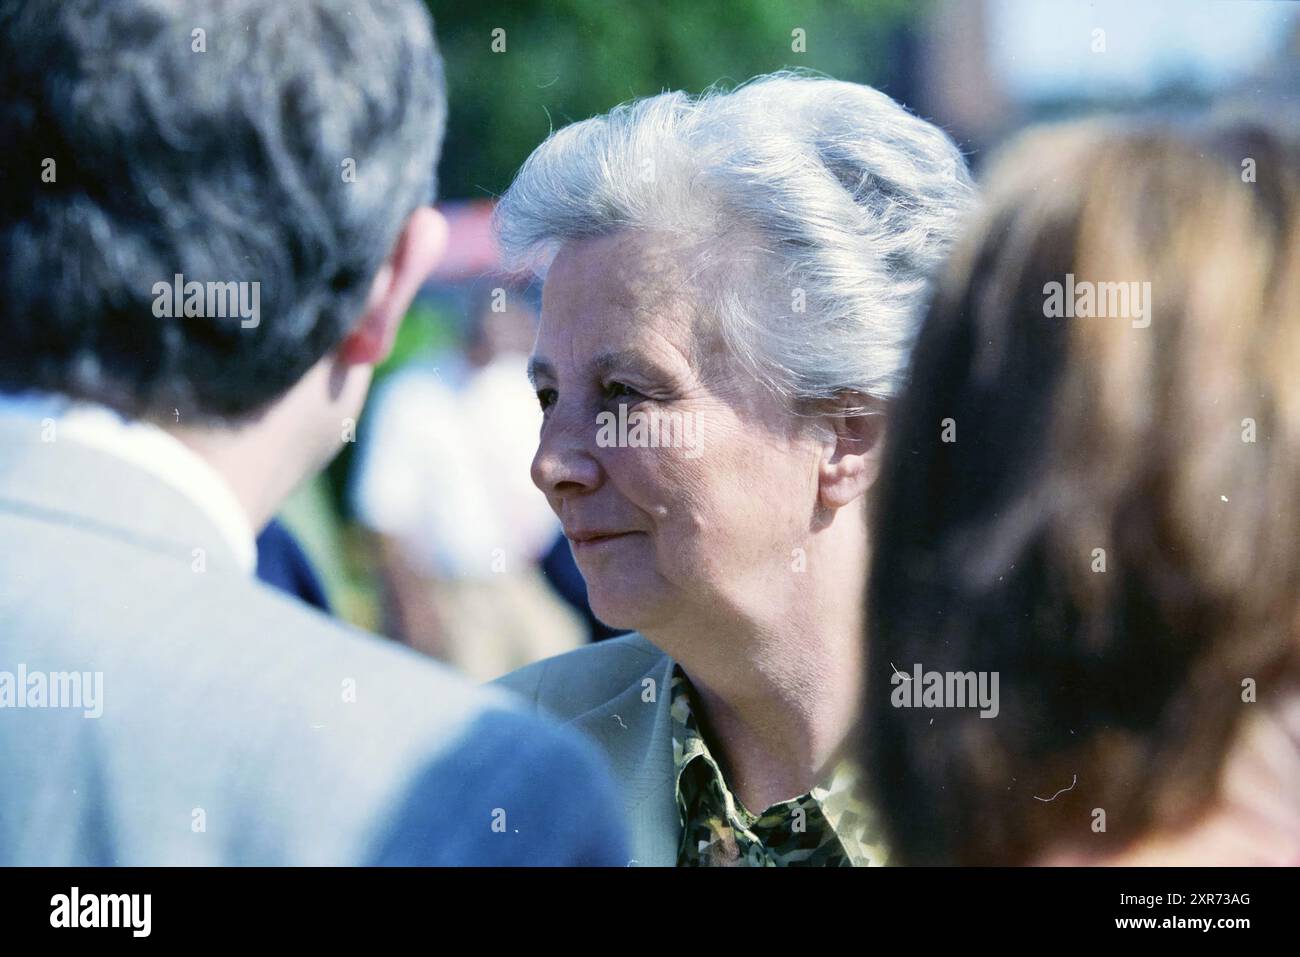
{"points": [[818, 208]]}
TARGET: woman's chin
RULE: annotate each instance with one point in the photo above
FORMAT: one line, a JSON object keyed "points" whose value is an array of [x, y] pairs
{"points": [[621, 607]]}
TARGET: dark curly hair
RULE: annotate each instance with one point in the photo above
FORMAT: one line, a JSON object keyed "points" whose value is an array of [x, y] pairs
{"points": [[149, 138]]}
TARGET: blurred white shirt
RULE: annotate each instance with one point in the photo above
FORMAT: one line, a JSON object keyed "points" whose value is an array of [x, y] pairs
{"points": [[147, 447], [445, 470]]}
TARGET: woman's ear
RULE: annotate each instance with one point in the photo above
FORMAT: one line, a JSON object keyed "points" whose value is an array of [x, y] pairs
{"points": [[852, 460]]}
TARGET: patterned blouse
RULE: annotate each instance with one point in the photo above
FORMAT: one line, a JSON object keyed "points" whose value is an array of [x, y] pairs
{"points": [[827, 827]]}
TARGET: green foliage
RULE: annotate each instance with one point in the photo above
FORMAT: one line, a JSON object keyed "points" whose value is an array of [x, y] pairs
{"points": [[425, 330], [566, 60]]}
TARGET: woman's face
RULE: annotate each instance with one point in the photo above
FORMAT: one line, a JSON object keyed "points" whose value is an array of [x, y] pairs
{"points": [[708, 523]]}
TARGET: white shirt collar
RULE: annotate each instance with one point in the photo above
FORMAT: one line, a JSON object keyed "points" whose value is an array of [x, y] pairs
{"points": [[150, 449]]}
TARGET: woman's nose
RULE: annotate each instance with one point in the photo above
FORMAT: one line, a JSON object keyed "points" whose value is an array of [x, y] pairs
{"points": [[564, 464]]}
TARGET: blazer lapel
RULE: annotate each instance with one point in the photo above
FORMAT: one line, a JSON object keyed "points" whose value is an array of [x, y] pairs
{"points": [[636, 736]]}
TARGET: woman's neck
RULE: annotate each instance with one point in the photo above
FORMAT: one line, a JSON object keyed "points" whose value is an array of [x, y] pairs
{"points": [[777, 741], [776, 698], [777, 669]]}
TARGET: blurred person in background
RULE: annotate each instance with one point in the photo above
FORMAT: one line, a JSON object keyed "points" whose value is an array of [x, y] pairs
{"points": [[189, 714], [741, 273], [443, 480], [1112, 528]]}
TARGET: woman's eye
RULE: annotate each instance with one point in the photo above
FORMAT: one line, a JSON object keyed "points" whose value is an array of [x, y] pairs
{"points": [[617, 390], [545, 398]]}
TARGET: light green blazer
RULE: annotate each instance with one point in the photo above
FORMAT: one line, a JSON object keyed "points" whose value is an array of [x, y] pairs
{"points": [[617, 693]]}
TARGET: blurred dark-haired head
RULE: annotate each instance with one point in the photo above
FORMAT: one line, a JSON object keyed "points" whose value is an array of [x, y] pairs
{"points": [[1092, 490], [276, 142]]}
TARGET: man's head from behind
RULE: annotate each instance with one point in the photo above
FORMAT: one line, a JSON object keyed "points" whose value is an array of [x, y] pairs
{"points": [[209, 211]]}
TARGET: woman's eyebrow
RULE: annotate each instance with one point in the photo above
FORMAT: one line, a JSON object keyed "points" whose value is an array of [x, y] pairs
{"points": [[606, 362], [628, 361]]}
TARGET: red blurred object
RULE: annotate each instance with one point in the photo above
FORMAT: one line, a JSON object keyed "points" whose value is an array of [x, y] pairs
{"points": [[472, 250]]}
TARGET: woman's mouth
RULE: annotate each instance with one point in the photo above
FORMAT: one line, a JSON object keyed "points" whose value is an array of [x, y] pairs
{"points": [[589, 540]]}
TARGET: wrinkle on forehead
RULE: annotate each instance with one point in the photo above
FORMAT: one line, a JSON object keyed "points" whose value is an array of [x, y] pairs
{"points": [[666, 286], [655, 288], [646, 277]]}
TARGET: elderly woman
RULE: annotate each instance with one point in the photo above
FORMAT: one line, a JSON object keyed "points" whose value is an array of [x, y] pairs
{"points": [[732, 285]]}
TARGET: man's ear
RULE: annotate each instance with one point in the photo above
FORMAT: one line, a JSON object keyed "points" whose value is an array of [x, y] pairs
{"points": [[853, 456], [418, 249]]}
